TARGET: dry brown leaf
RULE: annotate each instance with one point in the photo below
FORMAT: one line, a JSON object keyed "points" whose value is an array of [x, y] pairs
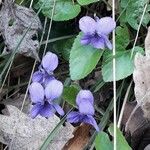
{"points": [[129, 106], [17, 102], [21, 66], [31, 133], [141, 76], [137, 129], [136, 121], [138, 124], [14, 21], [80, 139]]}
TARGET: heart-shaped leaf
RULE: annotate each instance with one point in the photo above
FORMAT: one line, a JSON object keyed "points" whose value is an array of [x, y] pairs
{"points": [[83, 59], [64, 9], [102, 142], [121, 141], [122, 37], [124, 64], [86, 2]]}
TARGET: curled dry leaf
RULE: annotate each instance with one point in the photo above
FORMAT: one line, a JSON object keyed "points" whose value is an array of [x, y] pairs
{"points": [[138, 124], [129, 106], [141, 76], [137, 129], [31, 133], [14, 22], [80, 139]]}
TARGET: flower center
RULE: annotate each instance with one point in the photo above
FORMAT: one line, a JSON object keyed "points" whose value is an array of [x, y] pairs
{"points": [[96, 35]]}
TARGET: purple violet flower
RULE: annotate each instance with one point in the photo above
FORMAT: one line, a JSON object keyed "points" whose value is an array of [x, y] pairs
{"points": [[48, 65], [44, 99], [96, 32], [85, 102]]}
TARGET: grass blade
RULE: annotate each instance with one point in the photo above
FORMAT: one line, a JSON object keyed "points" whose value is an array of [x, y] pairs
{"points": [[53, 133]]}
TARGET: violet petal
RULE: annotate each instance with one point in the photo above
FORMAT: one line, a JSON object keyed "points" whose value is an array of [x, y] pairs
{"points": [[47, 110], [58, 109], [105, 25], [108, 43], [84, 94], [35, 110], [37, 76], [50, 62], [53, 89], [90, 120], [73, 117], [85, 107], [47, 79], [36, 92], [85, 39], [87, 25], [98, 42]]}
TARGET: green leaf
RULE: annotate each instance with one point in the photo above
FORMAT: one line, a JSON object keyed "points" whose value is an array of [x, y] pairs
{"points": [[64, 9], [146, 19], [86, 2], [134, 12], [102, 142], [64, 47], [121, 141], [124, 64], [83, 59], [124, 3], [70, 93], [122, 37], [122, 17]]}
